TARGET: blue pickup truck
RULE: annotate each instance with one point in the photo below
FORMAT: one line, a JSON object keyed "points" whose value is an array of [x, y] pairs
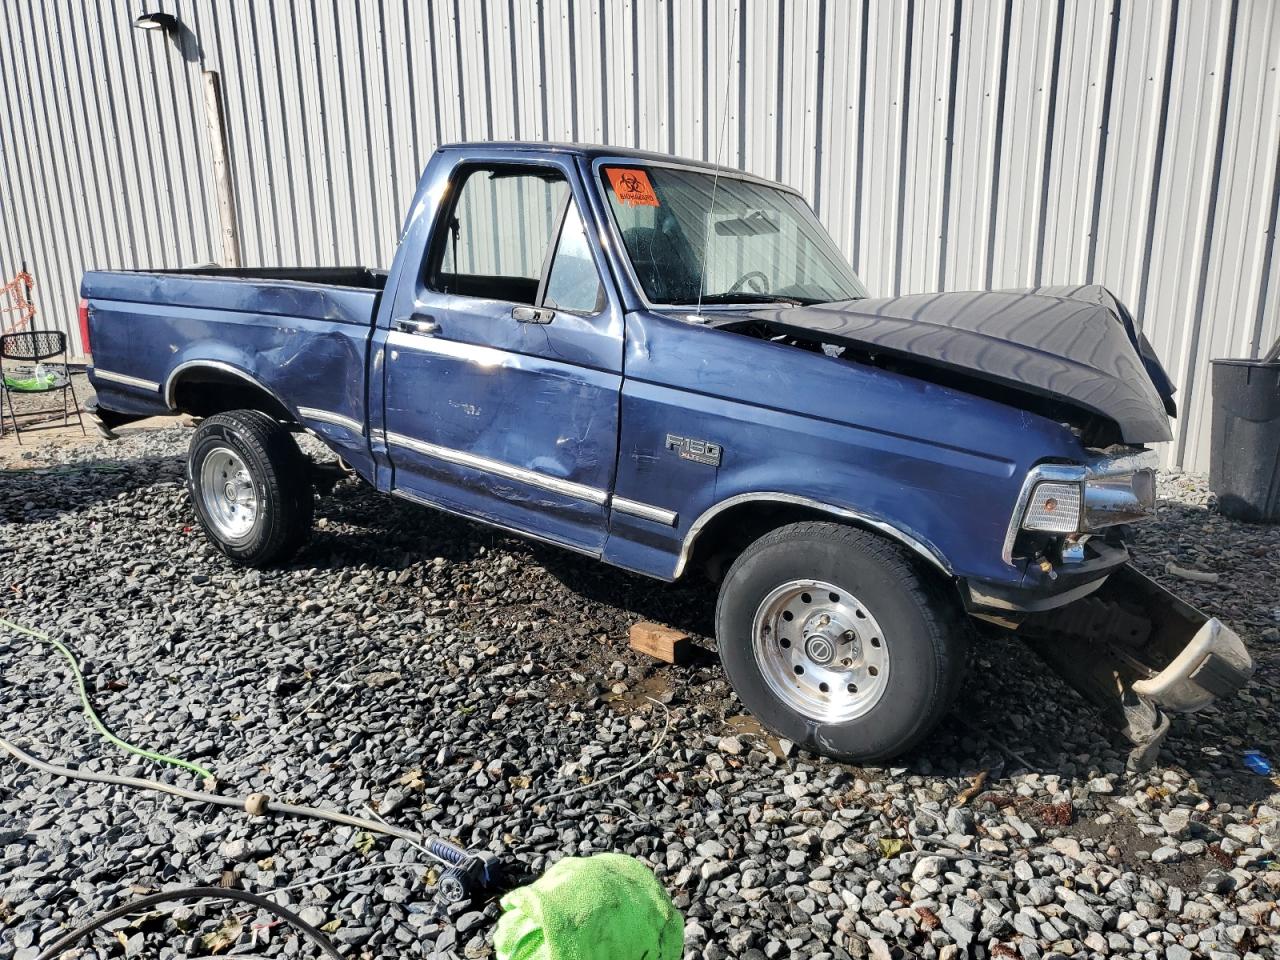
{"points": [[668, 366]]}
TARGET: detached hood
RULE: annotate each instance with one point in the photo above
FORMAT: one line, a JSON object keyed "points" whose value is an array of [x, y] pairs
{"points": [[1075, 345]]}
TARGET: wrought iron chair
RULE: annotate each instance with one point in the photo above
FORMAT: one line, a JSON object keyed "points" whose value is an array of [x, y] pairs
{"points": [[34, 347]]}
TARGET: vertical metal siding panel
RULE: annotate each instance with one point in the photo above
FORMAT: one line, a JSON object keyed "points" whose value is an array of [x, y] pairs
{"points": [[978, 104], [589, 79], [1236, 247], [183, 93], [199, 153], [1188, 190], [54, 253], [291, 153], [560, 120], [1129, 179], [529, 71], [473, 74], [616, 63], [333, 92], [651, 74], [1074, 150], [688, 76], [758, 123], [920, 212], [60, 255], [723, 70], [796, 127], [410, 117], [882, 181], [1016, 240], [381, 182], [839, 122]]}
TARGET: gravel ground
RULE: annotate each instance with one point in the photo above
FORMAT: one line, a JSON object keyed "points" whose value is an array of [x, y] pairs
{"points": [[475, 685]]}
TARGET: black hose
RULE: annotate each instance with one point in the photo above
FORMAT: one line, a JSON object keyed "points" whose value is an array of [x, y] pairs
{"points": [[192, 893]]}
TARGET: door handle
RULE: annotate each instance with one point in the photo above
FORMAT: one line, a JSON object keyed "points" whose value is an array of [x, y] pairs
{"points": [[532, 314], [420, 325]]}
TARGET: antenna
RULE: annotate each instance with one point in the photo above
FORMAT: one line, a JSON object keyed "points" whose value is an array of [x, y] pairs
{"points": [[715, 180]]}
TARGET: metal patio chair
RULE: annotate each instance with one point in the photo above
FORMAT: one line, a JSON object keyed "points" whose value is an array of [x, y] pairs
{"points": [[34, 347]]}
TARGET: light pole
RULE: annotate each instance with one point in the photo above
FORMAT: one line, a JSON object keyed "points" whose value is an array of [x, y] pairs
{"points": [[170, 26]]}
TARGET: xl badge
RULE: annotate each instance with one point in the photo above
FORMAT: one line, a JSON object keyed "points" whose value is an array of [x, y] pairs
{"points": [[699, 451]]}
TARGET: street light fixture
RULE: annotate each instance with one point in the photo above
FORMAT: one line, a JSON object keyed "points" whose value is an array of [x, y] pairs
{"points": [[157, 21]]}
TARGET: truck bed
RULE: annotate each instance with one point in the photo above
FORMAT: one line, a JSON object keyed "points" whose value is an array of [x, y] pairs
{"points": [[197, 339]]}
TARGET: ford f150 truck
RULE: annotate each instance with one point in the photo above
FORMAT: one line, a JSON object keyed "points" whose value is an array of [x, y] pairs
{"points": [[668, 366]]}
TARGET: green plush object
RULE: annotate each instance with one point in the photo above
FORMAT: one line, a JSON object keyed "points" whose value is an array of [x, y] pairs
{"points": [[606, 907], [36, 384]]}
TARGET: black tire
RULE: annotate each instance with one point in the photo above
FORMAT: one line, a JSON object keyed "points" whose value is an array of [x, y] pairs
{"points": [[281, 481], [925, 637]]}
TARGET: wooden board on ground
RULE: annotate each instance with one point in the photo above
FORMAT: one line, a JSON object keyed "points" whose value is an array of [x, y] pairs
{"points": [[664, 643]]}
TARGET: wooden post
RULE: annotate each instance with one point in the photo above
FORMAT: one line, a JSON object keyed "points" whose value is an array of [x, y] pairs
{"points": [[222, 181]]}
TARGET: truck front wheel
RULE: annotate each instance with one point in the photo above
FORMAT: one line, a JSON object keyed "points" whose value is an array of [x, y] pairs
{"points": [[251, 487], [834, 640]]}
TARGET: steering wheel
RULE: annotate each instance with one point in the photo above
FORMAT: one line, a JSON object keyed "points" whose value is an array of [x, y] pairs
{"points": [[759, 282]]}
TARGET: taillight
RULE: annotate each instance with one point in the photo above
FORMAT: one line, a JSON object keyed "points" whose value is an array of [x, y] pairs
{"points": [[84, 327]]}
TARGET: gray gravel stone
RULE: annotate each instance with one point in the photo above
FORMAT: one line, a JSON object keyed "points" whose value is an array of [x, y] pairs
{"points": [[463, 682]]}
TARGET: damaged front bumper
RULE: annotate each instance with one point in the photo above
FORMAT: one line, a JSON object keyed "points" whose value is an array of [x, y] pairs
{"points": [[1139, 653]]}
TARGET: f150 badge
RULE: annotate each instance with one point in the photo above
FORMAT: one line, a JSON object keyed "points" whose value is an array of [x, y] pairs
{"points": [[699, 451]]}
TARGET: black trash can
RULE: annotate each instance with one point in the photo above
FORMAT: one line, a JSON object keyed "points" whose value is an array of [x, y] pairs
{"points": [[1244, 460]]}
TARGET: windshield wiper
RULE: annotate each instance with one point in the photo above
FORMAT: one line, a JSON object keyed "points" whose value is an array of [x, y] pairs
{"points": [[743, 296]]}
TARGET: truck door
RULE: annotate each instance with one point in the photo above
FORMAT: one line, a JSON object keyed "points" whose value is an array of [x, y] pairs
{"points": [[502, 371]]}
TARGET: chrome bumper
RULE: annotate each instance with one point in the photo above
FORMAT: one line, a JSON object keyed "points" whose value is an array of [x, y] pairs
{"points": [[1137, 651]]}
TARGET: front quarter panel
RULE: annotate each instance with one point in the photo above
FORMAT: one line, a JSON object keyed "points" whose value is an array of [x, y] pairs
{"points": [[940, 467]]}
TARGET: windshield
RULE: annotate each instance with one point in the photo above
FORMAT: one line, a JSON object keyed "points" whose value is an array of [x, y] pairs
{"points": [[750, 244]]}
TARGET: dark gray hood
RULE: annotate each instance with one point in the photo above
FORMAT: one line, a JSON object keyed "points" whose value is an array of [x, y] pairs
{"points": [[1074, 344]]}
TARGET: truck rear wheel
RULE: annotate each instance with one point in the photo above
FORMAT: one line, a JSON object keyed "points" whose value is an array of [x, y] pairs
{"points": [[251, 487], [834, 640]]}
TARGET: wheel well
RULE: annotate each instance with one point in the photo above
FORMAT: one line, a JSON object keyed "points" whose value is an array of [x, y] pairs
{"points": [[205, 391], [731, 531]]}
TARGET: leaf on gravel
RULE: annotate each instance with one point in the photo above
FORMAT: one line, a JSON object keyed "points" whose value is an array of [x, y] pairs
{"points": [[364, 842], [520, 783], [222, 938], [890, 847], [928, 919], [267, 864], [122, 939], [332, 926], [413, 780]]}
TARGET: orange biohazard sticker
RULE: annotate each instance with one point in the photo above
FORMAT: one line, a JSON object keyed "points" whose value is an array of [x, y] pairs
{"points": [[632, 186]]}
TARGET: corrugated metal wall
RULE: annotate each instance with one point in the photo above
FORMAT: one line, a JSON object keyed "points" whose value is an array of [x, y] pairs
{"points": [[947, 144]]}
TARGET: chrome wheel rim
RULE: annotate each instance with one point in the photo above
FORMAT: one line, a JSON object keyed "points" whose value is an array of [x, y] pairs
{"points": [[228, 494], [820, 650]]}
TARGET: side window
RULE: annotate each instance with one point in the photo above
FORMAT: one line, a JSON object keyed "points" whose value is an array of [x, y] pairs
{"points": [[498, 234], [573, 283]]}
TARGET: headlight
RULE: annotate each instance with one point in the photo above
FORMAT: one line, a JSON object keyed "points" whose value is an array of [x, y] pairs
{"points": [[1070, 498], [1120, 498], [1053, 508]]}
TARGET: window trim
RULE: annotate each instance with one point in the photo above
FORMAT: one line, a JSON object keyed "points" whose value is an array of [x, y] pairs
{"points": [[429, 272], [602, 299], [557, 234]]}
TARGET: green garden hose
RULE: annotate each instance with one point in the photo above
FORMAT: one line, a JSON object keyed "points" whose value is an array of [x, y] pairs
{"points": [[204, 773]]}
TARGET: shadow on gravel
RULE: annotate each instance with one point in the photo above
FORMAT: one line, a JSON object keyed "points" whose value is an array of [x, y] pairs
{"points": [[1013, 714], [36, 494], [390, 534]]}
